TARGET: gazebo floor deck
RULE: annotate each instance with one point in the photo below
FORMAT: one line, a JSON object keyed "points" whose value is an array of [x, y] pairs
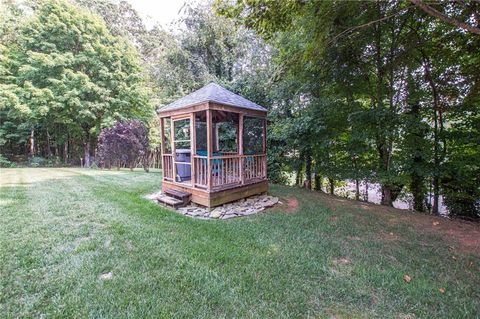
{"points": [[219, 195]]}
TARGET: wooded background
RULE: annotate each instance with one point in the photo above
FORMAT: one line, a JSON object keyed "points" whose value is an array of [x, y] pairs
{"points": [[369, 91]]}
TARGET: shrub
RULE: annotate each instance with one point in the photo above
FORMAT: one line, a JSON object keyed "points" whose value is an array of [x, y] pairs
{"points": [[36, 161], [126, 143], [461, 191], [4, 162]]}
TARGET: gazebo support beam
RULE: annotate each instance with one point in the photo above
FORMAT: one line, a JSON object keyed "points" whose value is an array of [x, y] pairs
{"points": [[240, 147], [193, 147], [172, 140], [209, 149]]}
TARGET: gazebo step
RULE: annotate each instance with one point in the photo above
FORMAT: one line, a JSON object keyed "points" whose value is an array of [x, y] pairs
{"points": [[182, 196], [170, 201]]}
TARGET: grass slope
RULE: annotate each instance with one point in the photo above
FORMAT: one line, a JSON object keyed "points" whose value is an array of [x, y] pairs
{"points": [[62, 228]]}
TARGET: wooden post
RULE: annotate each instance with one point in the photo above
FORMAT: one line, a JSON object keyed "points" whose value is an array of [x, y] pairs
{"points": [[217, 139], [240, 147], [162, 145], [209, 149], [264, 161], [238, 134], [193, 147], [172, 141], [162, 136], [264, 138]]}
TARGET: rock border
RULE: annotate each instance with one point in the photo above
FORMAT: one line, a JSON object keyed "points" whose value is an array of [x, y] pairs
{"points": [[243, 207]]}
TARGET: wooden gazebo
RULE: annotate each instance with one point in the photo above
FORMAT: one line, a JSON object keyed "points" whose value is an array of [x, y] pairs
{"points": [[214, 146]]}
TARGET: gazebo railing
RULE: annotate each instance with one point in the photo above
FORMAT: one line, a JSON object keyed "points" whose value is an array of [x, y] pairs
{"points": [[255, 167], [167, 166], [226, 170], [201, 171]]}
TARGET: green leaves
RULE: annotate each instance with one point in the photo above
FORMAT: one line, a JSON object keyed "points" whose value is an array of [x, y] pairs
{"points": [[357, 70], [68, 69]]}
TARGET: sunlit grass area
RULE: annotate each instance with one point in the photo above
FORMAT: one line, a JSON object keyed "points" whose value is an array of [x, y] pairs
{"points": [[85, 243]]}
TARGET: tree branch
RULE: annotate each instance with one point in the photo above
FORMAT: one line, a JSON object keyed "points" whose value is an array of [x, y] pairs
{"points": [[352, 29], [437, 14]]}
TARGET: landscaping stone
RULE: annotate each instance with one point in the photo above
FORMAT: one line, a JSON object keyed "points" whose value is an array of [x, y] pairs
{"points": [[154, 196], [242, 207], [106, 276], [216, 213]]}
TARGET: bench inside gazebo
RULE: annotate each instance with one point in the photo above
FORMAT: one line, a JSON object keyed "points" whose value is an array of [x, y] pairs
{"points": [[213, 147]]}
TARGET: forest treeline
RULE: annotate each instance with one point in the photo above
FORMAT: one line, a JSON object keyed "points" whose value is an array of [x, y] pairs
{"points": [[383, 92]]}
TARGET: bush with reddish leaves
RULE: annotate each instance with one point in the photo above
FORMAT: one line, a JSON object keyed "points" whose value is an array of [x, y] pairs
{"points": [[123, 145]]}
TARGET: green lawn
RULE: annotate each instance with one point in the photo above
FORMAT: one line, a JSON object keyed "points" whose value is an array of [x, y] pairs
{"points": [[62, 228]]}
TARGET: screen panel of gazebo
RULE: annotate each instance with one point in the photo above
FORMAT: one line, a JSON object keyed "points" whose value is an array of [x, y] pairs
{"points": [[225, 160], [237, 154], [230, 162]]}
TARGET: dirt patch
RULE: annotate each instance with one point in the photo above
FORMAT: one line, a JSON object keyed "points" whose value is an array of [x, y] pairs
{"points": [[469, 240], [340, 261], [341, 266], [292, 205], [287, 205], [464, 235]]}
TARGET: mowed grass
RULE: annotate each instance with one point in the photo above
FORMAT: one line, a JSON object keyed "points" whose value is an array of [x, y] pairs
{"points": [[62, 228]]}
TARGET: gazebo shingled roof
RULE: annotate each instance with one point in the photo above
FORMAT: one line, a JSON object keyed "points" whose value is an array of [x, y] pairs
{"points": [[212, 92]]}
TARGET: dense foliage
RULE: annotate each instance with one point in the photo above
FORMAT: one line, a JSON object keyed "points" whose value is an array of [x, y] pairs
{"points": [[381, 92], [64, 77], [373, 92], [124, 144]]}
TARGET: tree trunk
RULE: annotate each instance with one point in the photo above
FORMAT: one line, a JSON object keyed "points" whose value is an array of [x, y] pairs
{"points": [[436, 195], [308, 171], [31, 143], [298, 180], [49, 146], [381, 139], [318, 182], [65, 152], [331, 184], [387, 196], [86, 153], [436, 138], [366, 191], [357, 189], [146, 161], [416, 186], [416, 179]]}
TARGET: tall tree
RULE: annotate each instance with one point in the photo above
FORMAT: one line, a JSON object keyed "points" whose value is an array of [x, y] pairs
{"points": [[391, 74], [81, 77]]}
